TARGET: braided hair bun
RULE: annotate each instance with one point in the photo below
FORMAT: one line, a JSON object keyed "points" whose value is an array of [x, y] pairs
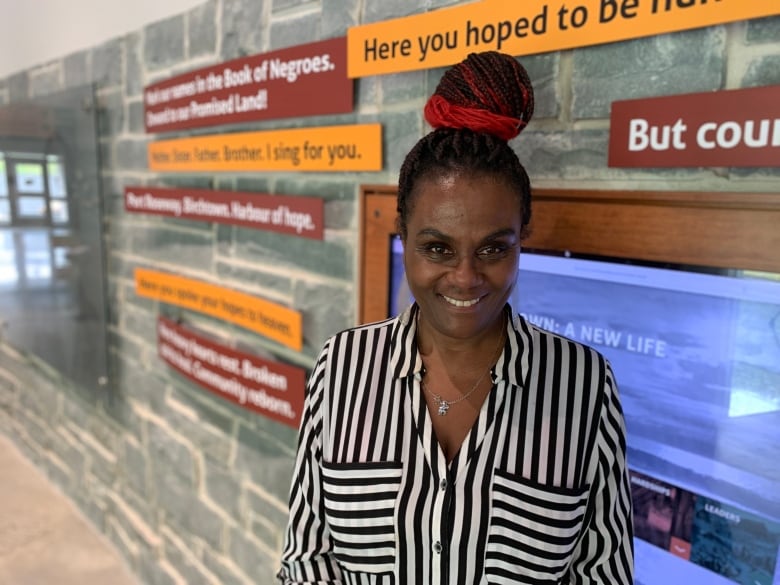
{"points": [[487, 92], [478, 106]]}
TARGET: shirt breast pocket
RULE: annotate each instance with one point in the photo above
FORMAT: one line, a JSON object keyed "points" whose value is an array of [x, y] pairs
{"points": [[360, 502], [533, 530]]}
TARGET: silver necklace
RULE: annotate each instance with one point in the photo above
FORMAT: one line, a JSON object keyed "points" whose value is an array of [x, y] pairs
{"points": [[444, 405]]}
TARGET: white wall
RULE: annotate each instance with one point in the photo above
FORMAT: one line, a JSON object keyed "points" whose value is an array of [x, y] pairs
{"points": [[33, 32]]}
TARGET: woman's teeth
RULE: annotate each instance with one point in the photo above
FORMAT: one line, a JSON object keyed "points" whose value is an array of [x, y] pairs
{"points": [[458, 303]]}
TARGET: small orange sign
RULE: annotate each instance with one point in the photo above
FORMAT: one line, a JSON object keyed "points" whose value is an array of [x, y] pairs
{"points": [[329, 148], [264, 317], [445, 36]]}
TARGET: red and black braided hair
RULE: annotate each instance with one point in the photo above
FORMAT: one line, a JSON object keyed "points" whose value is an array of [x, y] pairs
{"points": [[479, 105]]}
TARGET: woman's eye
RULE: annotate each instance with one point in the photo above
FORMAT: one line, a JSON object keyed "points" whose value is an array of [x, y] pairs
{"points": [[436, 251], [494, 251]]}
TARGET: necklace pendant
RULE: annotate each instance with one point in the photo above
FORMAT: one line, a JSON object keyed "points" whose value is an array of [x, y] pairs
{"points": [[444, 406]]}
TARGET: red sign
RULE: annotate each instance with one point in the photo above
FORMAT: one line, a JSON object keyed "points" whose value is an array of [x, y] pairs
{"points": [[304, 80], [269, 388], [734, 128], [297, 216]]}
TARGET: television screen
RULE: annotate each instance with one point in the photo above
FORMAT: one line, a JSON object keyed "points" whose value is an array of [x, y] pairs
{"points": [[696, 354]]}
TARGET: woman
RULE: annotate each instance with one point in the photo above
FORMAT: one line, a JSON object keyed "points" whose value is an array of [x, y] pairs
{"points": [[458, 443]]}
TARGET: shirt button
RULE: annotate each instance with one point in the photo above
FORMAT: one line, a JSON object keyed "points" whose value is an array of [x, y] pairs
{"points": [[437, 547], [443, 484]]}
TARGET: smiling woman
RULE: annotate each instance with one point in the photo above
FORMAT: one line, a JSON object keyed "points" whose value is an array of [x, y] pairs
{"points": [[457, 442]]}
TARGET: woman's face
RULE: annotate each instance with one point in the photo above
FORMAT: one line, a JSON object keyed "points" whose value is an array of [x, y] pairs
{"points": [[461, 251]]}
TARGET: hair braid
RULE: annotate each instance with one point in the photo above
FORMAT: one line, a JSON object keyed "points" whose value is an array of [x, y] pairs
{"points": [[479, 104]]}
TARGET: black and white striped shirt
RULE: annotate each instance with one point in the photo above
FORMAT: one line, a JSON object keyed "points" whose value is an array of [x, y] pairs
{"points": [[538, 492]]}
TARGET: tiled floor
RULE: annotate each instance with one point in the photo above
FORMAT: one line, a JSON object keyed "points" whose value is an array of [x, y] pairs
{"points": [[44, 539]]}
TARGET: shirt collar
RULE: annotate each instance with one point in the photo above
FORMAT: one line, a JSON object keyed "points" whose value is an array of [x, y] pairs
{"points": [[512, 366]]}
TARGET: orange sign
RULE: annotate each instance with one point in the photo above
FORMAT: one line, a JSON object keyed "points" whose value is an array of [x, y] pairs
{"points": [[264, 317], [446, 36], [329, 148]]}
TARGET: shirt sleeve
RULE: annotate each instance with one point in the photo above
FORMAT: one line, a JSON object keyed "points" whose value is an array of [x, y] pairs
{"points": [[605, 553], [307, 557]]}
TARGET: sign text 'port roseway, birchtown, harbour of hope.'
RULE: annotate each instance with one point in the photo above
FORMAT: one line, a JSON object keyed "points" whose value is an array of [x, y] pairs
{"points": [[286, 214]]}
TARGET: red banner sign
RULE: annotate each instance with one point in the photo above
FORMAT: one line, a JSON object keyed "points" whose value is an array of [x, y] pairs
{"points": [[272, 389], [734, 128], [305, 80], [297, 216]]}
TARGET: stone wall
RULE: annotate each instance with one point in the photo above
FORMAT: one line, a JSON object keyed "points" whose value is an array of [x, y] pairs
{"points": [[189, 488]]}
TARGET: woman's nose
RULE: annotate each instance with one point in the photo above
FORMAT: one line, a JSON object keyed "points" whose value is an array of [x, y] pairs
{"points": [[466, 272]]}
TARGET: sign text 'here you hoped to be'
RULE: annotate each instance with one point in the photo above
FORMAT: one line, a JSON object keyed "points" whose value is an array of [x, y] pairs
{"points": [[445, 36]]}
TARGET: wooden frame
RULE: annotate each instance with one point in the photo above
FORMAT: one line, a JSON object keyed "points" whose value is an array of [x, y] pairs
{"points": [[729, 230]]}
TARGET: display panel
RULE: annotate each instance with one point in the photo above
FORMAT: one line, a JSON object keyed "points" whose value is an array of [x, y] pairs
{"points": [[696, 353], [52, 278]]}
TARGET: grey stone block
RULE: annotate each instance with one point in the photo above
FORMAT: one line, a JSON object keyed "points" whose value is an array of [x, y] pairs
{"points": [[173, 462], [110, 113], [340, 215], [269, 521], [128, 514], [213, 442], [762, 71], [242, 27], [402, 87], [252, 558], [268, 248], [186, 563], [141, 385], [202, 29], [367, 90], [224, 489], [669, 64], [73, 457], [338, 16], [46, 80], [288, 32], [327, 310], [377, 10], [135, 117], [267, 462], [557, 154], [133, 72], [400, 132], [164, 43], [43, 400], [152, 571], [763, 30], [18, 86], [280, 5], [107, 63], [174, 246], [76, 69], [131, 154], [224, 569], [126, 547], [190, 516], [544, 71], [139, 323], [134, 467], [253, 276], [254, 184]]}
